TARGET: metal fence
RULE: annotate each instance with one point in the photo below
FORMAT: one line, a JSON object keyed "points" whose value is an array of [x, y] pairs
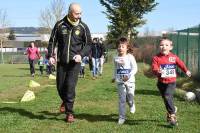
{"points": [[15, 55], [187, 46]]}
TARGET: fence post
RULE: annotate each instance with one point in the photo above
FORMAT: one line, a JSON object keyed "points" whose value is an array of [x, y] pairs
{"points": [[2, 59], [187, 57], [177, 46], [199, 50], [177, 49]]}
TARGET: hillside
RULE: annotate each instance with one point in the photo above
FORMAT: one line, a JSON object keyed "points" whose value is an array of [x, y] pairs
{"points": [[26, 30]]}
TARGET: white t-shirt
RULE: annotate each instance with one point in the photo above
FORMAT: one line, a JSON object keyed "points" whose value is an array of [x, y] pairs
{"points": [[125, 66]]}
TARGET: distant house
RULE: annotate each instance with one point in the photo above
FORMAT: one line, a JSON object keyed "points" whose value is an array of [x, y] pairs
{"points": [[45, 37], [21, 38], [13, 44], [32, 37], [99, 35]]}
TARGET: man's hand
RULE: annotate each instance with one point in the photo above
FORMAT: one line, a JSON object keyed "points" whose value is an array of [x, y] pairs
{"points": [[52, 61], [77, 58]]}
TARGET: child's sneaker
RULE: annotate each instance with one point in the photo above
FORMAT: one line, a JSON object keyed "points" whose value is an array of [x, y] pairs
{"points": [[168, 115], [132, 109], [70, 118], [176, 109], [171, 118], [121, 121]]}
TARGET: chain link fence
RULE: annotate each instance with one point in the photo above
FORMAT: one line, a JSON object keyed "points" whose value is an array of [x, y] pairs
{"points": [[187, 46], [15, 55]]}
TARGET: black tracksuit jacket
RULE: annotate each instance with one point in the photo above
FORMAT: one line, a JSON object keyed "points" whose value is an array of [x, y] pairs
{"points": [[69, 40]]}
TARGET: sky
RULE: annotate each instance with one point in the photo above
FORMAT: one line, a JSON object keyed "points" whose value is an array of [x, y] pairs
{"points": [[169, 14]]}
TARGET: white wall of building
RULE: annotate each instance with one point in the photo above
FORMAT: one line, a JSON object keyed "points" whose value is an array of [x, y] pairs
{"points": [[5, 50], [45, 37], [99, 35]]}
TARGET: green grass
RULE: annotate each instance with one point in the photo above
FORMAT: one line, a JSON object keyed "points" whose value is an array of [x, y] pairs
{"points": [[96, 106]]}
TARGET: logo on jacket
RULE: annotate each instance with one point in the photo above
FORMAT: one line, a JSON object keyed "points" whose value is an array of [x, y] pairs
{"points": [[123, 71], [64, 31], [172, 59], [77, 32]]}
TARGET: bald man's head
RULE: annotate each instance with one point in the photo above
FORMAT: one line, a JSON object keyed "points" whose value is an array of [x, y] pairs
{"points": [[74, 12]]}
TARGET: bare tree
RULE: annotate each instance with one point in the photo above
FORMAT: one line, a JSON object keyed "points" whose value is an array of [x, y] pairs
{"points": [[3, 19], [3, 25], [146, 31], [50, 15]]}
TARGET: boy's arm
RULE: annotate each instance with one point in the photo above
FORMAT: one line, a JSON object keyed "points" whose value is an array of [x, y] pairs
{"points": [[182, 66], [114, 70], [155, 67]]}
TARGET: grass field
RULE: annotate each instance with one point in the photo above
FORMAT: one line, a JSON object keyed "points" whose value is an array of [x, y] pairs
{"points": [[96, 106]]}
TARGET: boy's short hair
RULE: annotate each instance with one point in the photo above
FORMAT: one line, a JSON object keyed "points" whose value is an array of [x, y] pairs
{"points": [[166, 39]]}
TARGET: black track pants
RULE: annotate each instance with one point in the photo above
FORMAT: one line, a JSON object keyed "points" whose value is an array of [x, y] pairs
{"points": [[67, 77], [167, 91]]}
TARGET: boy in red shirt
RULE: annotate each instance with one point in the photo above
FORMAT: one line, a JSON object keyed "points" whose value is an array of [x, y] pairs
{"points": [[164, 67]]}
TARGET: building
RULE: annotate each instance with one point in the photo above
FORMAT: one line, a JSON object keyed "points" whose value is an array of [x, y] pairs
{"points": [[32, 37], [99, 35], [21, 38]]}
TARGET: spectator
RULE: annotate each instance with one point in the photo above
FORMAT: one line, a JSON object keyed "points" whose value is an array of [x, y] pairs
{"points": [[102, 58], [96, 54], [41, 65], [33, 55]]}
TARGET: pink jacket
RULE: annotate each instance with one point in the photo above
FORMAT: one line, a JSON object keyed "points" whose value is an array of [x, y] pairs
{"points": [[33, 53]]}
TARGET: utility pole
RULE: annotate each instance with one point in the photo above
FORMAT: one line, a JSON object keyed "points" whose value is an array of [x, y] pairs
{"points": [[2, 59], [3, 24]]}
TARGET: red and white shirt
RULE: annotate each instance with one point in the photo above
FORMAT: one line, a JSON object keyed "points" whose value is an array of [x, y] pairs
{"points": [[164, 67]]}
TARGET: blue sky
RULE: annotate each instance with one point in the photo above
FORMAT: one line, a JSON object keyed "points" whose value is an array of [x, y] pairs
{"points": [[176, 14]]}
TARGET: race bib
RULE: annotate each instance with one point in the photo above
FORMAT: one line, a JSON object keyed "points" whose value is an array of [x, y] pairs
{"points": [[123, 71], [168, 70]]}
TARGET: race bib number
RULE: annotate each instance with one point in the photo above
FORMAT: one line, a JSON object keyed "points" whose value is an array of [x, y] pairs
{"points": [[123, 73], [168, 70]]}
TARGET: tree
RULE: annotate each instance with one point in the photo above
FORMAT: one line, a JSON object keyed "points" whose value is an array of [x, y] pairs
{"points": [[3, 25], [50, 15], [11, 35], [125, 16]]}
